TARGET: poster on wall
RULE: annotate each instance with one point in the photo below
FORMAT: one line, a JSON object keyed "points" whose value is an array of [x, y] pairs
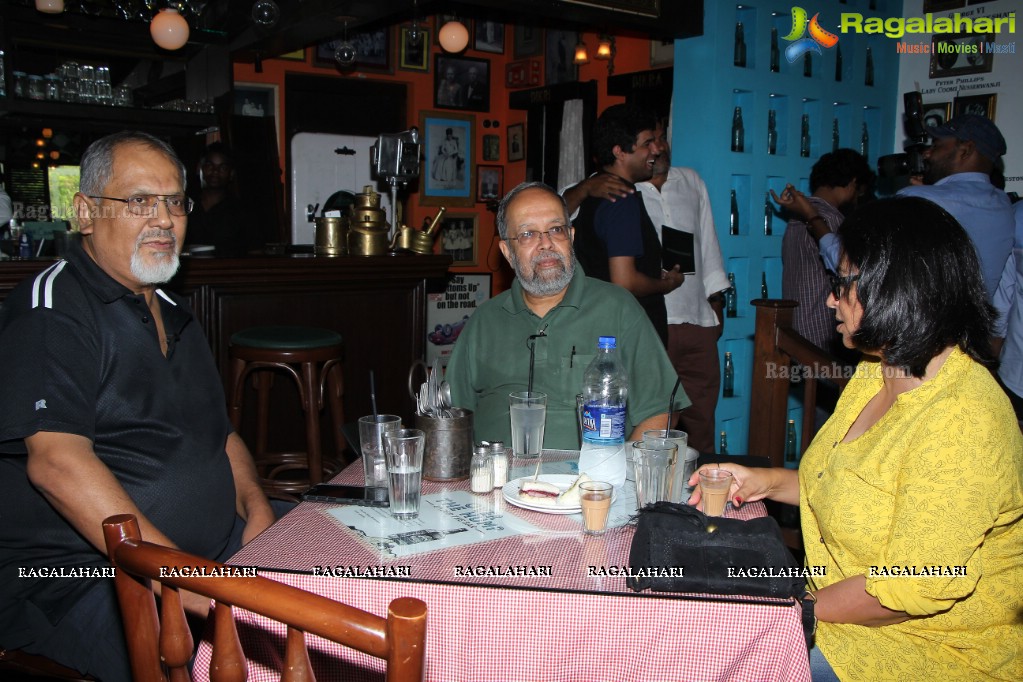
{"points": [[447, 313]]}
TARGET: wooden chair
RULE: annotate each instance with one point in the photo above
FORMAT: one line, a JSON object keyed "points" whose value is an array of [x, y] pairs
{"points": [[154, 643], [776, 346]]}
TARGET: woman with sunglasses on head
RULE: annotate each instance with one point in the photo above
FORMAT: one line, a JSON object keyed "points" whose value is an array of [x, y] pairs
{"points": [[911, 494]]}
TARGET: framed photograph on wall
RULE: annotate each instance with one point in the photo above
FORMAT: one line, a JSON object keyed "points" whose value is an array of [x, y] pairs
{"points": [[936, 113], [447, 177], [982, 105], [372, 51], [489, 183], [491, 147], [461, 83], [524, 73], [960, 54], [527, 41], [516, 142], [662, 52], [459, 237], [414, 56], [489, 37], [259, 100], [559, 54]]}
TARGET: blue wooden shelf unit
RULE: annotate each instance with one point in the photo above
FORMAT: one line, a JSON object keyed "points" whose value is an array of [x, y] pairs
{"points": [[707, 88]]}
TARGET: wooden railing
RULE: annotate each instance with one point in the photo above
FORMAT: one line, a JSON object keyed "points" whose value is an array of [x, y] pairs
{"points": [[776, 347]]}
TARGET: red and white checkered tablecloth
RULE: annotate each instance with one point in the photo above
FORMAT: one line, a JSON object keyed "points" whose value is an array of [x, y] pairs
{"points": [[566, 626]]}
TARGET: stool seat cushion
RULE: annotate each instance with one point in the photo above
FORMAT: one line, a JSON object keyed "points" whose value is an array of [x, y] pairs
{"points": [[286, 338]]}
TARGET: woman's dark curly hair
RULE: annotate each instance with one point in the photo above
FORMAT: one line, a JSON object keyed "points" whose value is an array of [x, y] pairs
{"points": [[920, 284]]}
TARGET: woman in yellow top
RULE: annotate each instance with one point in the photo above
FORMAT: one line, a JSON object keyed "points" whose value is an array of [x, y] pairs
{"points": [[911, 495]]}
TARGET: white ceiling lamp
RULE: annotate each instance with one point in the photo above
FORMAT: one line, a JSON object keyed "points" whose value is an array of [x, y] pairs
{"points": [[169, 29], [453, 36], [50, 6]]}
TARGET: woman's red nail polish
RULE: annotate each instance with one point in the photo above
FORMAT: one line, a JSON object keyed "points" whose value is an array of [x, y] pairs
{"points": [[738, 501]]}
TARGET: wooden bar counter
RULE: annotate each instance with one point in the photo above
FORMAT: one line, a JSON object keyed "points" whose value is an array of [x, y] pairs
{"points": [[377, 303]]}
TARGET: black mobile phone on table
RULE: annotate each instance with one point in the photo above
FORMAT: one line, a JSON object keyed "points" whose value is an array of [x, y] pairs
{"points": [[347, 494]]}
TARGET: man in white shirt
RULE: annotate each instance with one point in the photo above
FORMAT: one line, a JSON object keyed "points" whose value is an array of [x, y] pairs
{"points": [[677, 197]]}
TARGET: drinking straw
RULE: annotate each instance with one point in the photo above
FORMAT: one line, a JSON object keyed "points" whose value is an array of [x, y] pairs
{"points": [[671, 405], [373, 394]]}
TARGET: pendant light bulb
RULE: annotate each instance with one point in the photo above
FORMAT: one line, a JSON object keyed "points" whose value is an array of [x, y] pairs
{"points": [[50, 6], [581, 55], [169, 29], [453, 36], [345, 54]]}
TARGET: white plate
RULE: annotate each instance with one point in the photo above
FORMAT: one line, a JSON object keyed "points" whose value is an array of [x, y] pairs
{"points": [[562, 481]]}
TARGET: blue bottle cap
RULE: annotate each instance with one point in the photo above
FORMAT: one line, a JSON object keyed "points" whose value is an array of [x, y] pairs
{"points": [[606, 342]]}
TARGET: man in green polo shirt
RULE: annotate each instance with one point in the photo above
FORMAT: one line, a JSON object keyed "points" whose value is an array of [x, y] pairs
{"points": [[553, 306]]}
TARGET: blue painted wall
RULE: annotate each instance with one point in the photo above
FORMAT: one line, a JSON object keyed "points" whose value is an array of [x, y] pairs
{"points": [[708, 87]]}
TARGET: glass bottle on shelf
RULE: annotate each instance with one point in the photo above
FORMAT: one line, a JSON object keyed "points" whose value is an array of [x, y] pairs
{"points": [[864, 141], [730, 296], [728, 383], [739, 58], [775, 53], [738, 132], [791, 454], [804, 136], [763, 285], [868, 78], [807, 65], [723, 444], [834, 135], [768, 214], [838, 63], [733, 215], [772, 132], [3, 76]]}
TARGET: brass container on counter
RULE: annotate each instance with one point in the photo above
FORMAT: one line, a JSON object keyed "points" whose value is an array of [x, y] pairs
{"points": [[331, 236], [363, 241], [367, 227]]}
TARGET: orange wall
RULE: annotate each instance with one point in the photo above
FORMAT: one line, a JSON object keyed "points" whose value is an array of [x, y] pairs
{"points": [[633, 54]]}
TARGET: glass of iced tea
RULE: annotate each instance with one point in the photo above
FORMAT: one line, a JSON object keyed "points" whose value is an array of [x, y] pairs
{"points": [[595, 499], [714, 486]]}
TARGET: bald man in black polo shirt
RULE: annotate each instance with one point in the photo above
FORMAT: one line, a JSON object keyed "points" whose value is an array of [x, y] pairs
{"points": [[111, 405]]}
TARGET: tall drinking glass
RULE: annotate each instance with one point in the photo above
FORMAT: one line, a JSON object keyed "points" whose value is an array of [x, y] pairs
{"points": [[371, 441], [685, 463], [528, 411], [653, 460], [404, 451]]}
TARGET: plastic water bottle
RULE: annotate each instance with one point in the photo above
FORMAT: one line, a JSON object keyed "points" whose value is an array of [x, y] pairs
{"points": [[605, 392]]}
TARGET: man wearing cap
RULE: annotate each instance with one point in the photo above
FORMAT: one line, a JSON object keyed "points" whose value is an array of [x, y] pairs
{"points": [[957, 177]]}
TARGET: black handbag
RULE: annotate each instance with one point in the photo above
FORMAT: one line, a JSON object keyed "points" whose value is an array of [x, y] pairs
{"points": [[678, 548]]}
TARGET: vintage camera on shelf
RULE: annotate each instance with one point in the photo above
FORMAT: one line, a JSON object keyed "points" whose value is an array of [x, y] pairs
{"points": [[910, 162], [395, 156]]}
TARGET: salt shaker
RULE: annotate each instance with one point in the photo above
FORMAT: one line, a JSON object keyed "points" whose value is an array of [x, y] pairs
{"points": [[500, 459], [481, 470]]}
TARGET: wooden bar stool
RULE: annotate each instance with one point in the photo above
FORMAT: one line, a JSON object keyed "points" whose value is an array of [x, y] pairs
{"points": [[313, 358]]}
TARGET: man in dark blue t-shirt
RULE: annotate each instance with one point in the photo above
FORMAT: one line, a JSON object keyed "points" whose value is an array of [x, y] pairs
{"points": [[111, 405], [615, 240]]}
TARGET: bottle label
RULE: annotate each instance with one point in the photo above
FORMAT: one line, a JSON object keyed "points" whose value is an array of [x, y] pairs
{"points": [[604, 423]]}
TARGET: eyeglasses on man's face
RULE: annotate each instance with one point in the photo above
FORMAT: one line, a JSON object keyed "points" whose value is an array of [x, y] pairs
{"points": [[145, 205], [558, 233], [840, 285]]}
